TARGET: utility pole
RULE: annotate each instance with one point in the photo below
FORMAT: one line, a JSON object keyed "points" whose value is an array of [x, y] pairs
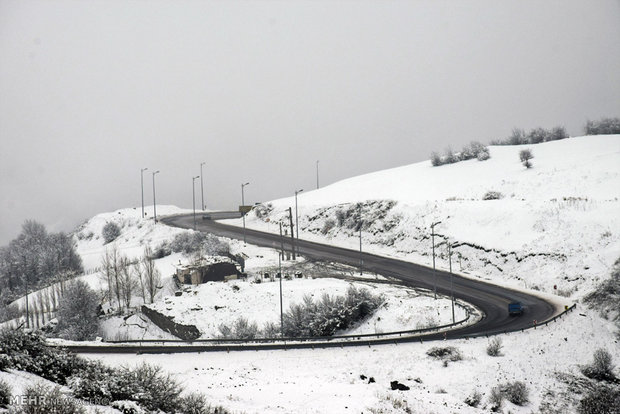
{"points": [[290, 217], [434, 272], [281, 242], [451, 282], [317, 174], [296, 216], [142, 188], [243, 212], [194, 198], [154, 203], [280, 270], [202, 189], [360, 224]]}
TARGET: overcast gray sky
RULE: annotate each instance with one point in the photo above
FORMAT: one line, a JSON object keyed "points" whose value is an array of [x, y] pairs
{"points": [[92, 91]]}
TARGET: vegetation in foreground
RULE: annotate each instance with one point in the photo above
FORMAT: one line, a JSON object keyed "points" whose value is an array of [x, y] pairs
{"points": [[145, 386]]}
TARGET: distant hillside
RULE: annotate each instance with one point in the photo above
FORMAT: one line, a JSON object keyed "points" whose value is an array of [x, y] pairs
{"points": [[557, 223]]}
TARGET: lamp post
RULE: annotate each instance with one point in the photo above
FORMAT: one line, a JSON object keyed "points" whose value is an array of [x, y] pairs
{"points": [[142, 187], [296, 215], [317, 174], [280, 270], [434, 273], [154, 202], [202, 189], [243, 212], [361, 257], [451, 282], [194, 198]]}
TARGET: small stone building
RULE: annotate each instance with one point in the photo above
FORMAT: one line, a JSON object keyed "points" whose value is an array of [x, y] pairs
{"points": [[211, 269]]}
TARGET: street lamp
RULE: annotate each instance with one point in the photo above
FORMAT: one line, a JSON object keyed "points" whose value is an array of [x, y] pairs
{"points": [[361, 257], [154, 203], [280, 270], [142, 187], [243, 212], [451, 282], [296, 216], [434, 273], [202, 190], [317, 174], [194, 197]]}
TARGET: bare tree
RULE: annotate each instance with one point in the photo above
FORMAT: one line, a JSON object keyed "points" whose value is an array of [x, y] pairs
{"points": [[525, 156], [127, 283], [152, 277], [139, 275]]}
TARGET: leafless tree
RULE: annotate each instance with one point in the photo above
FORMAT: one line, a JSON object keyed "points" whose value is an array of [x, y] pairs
{"points": [[139, 276], [126, 280], [152, 277]]}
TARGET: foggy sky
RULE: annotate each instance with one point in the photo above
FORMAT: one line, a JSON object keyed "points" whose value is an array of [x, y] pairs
{"points": [[92, 91]]}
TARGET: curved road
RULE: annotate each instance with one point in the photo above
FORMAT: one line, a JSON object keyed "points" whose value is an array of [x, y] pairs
{"points": [[491, 299]]}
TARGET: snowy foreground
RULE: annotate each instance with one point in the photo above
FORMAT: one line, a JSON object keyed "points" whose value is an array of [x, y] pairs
{"points": [[555, 229]]}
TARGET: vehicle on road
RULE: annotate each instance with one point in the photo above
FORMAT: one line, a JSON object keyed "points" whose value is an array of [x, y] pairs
{"points": [[515, 309]]}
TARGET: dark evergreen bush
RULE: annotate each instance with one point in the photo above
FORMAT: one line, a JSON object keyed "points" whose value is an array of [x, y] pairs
{"points": [[110, 232]]}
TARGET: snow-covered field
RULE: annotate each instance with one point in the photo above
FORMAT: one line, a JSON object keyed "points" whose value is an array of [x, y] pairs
{"points": [[209, 305], [328, 380]]}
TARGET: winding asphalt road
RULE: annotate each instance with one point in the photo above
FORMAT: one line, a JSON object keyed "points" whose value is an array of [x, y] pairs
{"points": [[493, 300]]}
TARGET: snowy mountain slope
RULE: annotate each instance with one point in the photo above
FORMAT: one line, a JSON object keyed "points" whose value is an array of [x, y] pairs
{"points": [[556, 224]]}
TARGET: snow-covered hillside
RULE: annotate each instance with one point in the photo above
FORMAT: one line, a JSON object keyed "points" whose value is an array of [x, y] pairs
{"points": [[555, 224]]}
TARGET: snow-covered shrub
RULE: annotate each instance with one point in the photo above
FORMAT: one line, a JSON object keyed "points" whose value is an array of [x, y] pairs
{"points": [[557, 133], [474, 150], [537, 135], [483, 155], [390, 404], [603, 126], [226, 331], [601, 399], [517, 137], [127, 407], [242, 329], [94, 381], [473, 400], [271, 330], [327, 226], [5, 361], [77, 312], [330, 313], [110, 232], [496, 399], [5, 393], [27, 351], [192, 242], [525, 156], [148, 386], [495, 347], [45, 399], [516, 392], [492, 195], [445, 353], [601, 368], [196, 403]]}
